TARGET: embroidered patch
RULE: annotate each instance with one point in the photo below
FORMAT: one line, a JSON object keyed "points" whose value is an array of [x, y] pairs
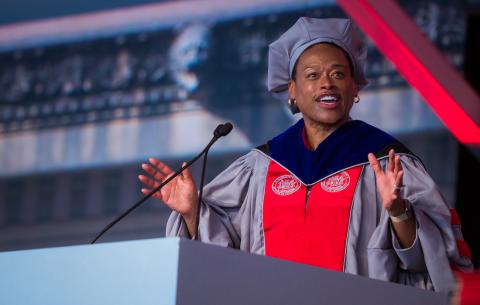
{"points": [[285, 185], [336, 183]]}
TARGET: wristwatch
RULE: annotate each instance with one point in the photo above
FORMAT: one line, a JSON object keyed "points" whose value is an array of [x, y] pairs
{"points": [[404, 216]]}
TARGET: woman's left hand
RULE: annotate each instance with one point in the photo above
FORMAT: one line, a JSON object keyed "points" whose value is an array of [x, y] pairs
{"points": [[389, 182]]}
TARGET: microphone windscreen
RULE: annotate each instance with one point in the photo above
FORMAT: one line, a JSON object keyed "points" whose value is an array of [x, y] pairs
{"points": [[222, 130], [227, 127]]}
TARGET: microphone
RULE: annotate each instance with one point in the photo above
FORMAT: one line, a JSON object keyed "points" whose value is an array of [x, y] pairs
{"points": [[221, 131]]}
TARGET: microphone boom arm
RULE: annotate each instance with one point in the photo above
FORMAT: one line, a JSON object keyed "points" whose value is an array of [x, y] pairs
{"points": [[220, 131]]}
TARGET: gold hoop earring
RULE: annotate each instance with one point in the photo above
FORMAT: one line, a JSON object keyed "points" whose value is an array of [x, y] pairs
{"points": [[356, 99], [292, 104]]}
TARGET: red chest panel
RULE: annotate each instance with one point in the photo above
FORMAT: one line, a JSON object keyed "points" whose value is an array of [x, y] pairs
{"points": [[309, 230]]}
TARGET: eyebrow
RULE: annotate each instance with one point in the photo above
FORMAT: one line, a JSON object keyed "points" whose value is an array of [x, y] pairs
{"points": [[334, 66]]}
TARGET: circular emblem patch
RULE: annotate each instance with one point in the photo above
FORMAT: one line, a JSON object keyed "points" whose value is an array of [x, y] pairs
{"points": [[336, 183], [285, 185]]}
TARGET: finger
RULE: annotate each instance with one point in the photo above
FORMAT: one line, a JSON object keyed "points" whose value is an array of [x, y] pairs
{"points": [[398, 163], [157, 195], [170, 175], [148, 182], [374, 163], [160, 166], [153, 172], [187, 175], [391, 160], [396, 167], [399, 179]]}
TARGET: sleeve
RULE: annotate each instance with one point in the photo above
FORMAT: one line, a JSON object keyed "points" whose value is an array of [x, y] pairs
{"points": [[410, 258], [222, 199], [427, 264]]}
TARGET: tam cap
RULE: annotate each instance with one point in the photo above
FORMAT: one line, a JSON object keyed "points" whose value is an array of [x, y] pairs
{"points": [[285, 51]]}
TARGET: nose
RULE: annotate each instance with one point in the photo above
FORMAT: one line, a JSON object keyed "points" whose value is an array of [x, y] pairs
{"points": [[326, 82]]}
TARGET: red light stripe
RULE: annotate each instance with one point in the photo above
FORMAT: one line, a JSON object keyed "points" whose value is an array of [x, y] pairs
{"points": [[415, 72]]}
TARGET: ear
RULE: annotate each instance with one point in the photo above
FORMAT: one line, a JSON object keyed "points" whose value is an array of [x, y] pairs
{"points": [[291, 89]]}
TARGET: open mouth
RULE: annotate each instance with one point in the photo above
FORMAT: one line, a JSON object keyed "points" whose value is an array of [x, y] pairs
{"points": [[328, 99]]}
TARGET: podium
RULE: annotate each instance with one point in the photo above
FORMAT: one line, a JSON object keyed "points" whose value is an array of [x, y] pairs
{"points": [[177, 271]]}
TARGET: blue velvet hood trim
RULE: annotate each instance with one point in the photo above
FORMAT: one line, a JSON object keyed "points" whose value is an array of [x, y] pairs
{"points": [[347, 146]]}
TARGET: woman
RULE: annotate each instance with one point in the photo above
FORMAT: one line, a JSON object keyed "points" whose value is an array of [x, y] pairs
{"points": [[329, 191]]}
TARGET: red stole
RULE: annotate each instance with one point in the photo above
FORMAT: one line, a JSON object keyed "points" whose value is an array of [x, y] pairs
{"points": [[309, 230]]}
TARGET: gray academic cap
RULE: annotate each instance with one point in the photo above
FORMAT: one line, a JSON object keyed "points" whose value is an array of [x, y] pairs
{"points": [[285, 51]]}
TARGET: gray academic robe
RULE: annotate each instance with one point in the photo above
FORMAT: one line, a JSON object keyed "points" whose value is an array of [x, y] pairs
{"points": [[231, 216]]}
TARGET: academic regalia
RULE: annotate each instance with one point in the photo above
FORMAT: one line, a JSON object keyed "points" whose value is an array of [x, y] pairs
{"points": [[320, 207]]}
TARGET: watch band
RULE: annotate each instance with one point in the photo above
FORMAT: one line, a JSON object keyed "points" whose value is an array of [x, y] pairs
{"points": [[404, 216]]}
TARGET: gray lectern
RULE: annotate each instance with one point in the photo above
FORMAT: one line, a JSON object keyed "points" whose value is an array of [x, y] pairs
{"points": [[177, 271]]}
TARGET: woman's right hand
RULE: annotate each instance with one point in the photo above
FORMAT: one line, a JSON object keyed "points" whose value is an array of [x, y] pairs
{"points": [[179, 195]]}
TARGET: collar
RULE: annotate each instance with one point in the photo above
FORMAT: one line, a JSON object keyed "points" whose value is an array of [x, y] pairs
{"points": [[347, 146], [305, 139]]}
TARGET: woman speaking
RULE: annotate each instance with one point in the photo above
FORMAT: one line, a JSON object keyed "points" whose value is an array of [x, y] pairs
{"points": [[329, 191]]}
